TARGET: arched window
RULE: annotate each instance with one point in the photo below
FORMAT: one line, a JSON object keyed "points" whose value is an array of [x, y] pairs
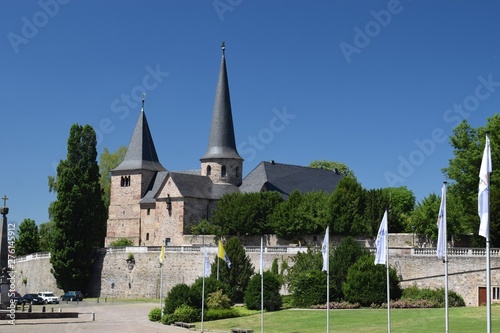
{"points": [[209, 170]]}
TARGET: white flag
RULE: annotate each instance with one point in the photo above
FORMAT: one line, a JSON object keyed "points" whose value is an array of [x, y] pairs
{"points": [[324, 250], [206, 265], [381, 242], [261, 264], [484, 192], [441, 223]]}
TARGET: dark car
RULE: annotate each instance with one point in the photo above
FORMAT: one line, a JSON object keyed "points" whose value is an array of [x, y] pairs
{"points": [[33, 299], [16, 297], [72, 296]]}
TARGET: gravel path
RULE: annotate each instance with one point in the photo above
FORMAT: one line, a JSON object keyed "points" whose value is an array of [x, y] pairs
{"points": [[109, 318]]}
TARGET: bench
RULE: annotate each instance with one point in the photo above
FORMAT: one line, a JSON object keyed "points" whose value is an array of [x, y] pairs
{"points": [[183, 324], [241, 330]]}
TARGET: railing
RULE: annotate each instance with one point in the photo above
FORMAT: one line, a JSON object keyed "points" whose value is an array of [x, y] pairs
{"points": [[420, 251]]}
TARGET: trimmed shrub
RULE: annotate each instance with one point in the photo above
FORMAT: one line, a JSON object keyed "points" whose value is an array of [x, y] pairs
{"points": [[309, 288], [433, 296], [211, 285], [218, 300], [155, 314], [272, 298], [186, 314], [177, 296], [167, 319], [216, 314]]}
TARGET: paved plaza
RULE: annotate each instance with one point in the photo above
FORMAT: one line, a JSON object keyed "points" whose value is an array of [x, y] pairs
{"points": [[109, 318]]}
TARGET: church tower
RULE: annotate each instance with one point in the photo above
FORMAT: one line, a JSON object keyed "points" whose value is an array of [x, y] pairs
{"points": [[221, 162], [130, 181]]}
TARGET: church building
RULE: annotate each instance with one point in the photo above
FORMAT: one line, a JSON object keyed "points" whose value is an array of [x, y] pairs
{"points": [[153, 206]]}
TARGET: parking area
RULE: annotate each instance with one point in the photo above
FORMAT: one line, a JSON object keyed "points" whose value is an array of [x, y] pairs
{"points": [[109, 317]]}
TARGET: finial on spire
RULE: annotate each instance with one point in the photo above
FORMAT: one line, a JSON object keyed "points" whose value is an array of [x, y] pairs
{"points": [[143, 98], [223, 46]]}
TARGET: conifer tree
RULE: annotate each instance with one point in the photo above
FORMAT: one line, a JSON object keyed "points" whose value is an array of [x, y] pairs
{"points": [[78, 212]]}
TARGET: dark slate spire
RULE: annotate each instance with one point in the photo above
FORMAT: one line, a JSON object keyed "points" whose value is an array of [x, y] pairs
{"points": [[221, 143], [141, 152]]}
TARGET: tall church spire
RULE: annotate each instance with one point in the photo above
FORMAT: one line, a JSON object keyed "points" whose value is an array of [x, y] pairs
{"points": [[221, 162], [221, 143], [141, 152]]}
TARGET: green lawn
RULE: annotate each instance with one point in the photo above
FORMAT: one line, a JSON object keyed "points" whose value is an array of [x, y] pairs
{"points": [[470, 319]]}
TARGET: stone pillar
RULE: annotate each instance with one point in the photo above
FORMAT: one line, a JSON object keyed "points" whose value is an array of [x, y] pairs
{"points": [[4, 262]]}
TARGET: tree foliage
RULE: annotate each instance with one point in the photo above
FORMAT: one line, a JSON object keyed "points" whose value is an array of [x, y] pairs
{"points": [[347, 207], [330, 165], [46, 231], [177, 296], [272, 298], [238, 275], [28, 240], [347, 252], [463, 172], [245, 213], [366, 283], [78, 212], [109, 161], [301, 214]]}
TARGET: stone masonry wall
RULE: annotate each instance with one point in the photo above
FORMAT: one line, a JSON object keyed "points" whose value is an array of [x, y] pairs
{"points": [[466, 273]]}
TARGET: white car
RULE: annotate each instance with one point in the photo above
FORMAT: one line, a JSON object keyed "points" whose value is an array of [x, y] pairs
{"points": [[48, 297]]}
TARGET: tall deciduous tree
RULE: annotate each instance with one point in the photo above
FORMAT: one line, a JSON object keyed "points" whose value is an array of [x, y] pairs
{"points": [[28, 240], [330, 165], [347, 208], [463, 172], [78, 212], [46, 231], [109, 161]]}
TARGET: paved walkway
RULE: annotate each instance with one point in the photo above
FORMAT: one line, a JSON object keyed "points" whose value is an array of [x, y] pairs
{"points": [[109, 318]]}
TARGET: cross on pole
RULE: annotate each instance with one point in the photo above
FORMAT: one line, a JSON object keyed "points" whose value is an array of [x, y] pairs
{"points": [[5, 200]]}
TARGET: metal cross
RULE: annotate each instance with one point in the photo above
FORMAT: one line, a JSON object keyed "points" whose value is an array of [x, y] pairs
{"points": [[5, 200]]}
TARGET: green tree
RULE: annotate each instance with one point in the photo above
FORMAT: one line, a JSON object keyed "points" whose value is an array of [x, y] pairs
{"points": [[330, 165], [463, 172], [401, 205], [238, 275], [109, 161], [366, 283], [78, 212], [177, 296], [272, 298], [347, 252], [347, 209], [245, 213], [212, 285], [46, 230], [28, 240]]}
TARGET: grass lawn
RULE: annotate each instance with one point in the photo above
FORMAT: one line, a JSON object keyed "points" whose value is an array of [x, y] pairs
{"points": [[466, 319]]}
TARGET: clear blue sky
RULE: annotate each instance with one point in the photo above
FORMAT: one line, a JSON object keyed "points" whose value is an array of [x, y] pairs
{"points": [[377, 85]]}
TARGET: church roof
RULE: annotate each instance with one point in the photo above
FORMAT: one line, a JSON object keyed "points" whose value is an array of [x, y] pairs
{"points": [[222, 143], [141, 152], [285, 178], [190, 186]]}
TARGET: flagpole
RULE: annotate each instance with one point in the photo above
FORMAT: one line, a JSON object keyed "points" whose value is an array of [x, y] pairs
{"points": [[203, 284], [388, 282], [488, 268], [325, 251], [445, 237], [261, 287], [162, 257]]}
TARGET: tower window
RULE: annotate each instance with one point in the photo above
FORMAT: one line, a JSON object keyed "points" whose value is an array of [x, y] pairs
{"points": [[147, 236], [149, 211], [237, 172], [223, 171], [125, 181], [209, 170]]}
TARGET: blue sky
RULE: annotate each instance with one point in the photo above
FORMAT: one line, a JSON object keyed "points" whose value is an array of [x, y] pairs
{"points": [[377, 85]]}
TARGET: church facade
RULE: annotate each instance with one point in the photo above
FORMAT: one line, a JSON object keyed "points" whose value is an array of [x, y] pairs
{"points": [[152, 206]]}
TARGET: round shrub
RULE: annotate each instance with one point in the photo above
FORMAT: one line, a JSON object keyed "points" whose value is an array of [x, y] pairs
{"points": [[216, 314], [272, 298], [309, 288], [155, 314], [177, 296], [186, 314], [211, 285]]}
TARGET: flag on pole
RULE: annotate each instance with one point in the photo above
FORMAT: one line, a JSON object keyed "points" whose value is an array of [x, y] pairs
{"points": [[162, 254], [206, 264], [441, 223], [223, 255], [484, 191], [324, 250], [381, 242], [261, 263]]}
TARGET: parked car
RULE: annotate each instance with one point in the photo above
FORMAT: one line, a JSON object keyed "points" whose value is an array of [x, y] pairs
{"points": [[72, 296], [32, 299], [48, 297], [16, 297]]}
